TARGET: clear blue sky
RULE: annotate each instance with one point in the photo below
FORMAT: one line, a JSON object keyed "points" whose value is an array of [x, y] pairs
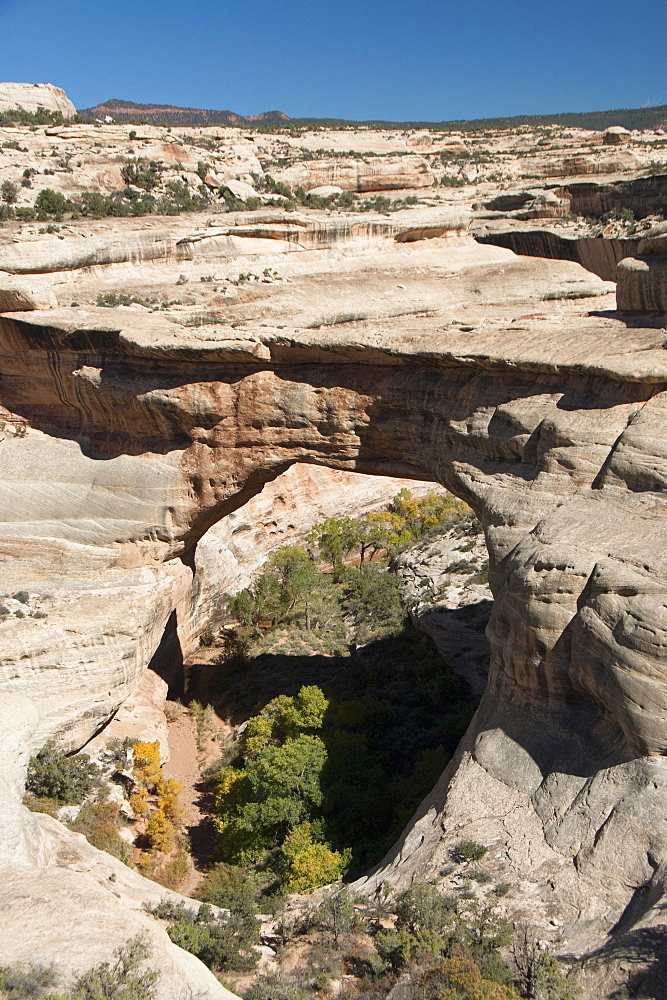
{"points": [[411, 60]]}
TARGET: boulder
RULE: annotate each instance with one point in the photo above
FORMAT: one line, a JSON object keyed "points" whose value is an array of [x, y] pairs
{"points": [[240, 190], [326, 191], [615, 135]]}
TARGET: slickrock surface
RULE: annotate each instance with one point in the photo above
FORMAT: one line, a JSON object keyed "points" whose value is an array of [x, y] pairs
{"points": [[32, 96], [219, 357]]}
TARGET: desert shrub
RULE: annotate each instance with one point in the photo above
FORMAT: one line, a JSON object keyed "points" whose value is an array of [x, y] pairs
{"points": [[99, 822], [346, 199], [54, 775], [224, 944], [179, 196], [230, 888], [25, 984], [336, 914], [460, 978], [278, 187], [172, 873], [9, 192], [279, 986], [121, 979], [51, 204], [469, 850], [453, 180], [204, 717], [423, 908], [117, 750], [141, 173], [461, 566], [481, 933], [425, 923]]}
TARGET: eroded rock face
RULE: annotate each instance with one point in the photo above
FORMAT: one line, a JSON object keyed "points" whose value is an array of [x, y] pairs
{"points": [[642, 280], [381, 174], [32, 96], [436, 359]]}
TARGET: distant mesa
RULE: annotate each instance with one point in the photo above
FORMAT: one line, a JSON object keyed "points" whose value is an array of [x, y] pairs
{"points": [[168, 114]]}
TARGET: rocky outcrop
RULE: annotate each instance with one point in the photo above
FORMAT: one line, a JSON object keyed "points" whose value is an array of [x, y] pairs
{"points": [[271, 233], [31, 96], [17, 294], [443, 583], [597, 254], [642, 280], [615, 135], [381, 173], [524, 204], [641, 195]]}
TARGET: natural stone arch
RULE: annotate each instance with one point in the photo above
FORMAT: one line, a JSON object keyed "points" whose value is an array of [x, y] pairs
{"points": [[561, 463]]}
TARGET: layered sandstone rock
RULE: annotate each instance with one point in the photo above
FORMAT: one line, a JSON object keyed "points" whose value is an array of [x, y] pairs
{"points": [[642, 280], [596, 254], [377, 174], [510, 380], [31, 96]]}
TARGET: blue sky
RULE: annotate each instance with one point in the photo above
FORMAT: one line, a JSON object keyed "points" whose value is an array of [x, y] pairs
{"points": [[417, 60]]}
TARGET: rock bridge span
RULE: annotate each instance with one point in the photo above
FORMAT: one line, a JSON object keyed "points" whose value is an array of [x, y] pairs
{"points": [[136, 449], [139, 438]]}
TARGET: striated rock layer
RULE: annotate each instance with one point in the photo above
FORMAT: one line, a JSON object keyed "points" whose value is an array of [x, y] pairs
{"points": [[431, 360]]}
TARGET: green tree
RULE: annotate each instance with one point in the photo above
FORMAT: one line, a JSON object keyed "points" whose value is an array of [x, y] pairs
{"points": [[551, 984], [374, 599], [336, 537], [51, 204], [298, 576], [276, 790], [259, 605], [53, 775], [9, 192]]}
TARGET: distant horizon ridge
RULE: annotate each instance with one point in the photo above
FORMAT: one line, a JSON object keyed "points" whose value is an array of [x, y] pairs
{"points": [[170, 114]]}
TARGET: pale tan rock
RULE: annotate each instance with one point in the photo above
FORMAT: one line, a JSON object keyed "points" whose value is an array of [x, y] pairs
{"points": [[375, 174], [424, 358], [17, 294], [642, 285], [32, 96]]}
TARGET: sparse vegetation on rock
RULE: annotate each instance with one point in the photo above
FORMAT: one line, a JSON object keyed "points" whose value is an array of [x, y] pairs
{"points": [[55, 776]]}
